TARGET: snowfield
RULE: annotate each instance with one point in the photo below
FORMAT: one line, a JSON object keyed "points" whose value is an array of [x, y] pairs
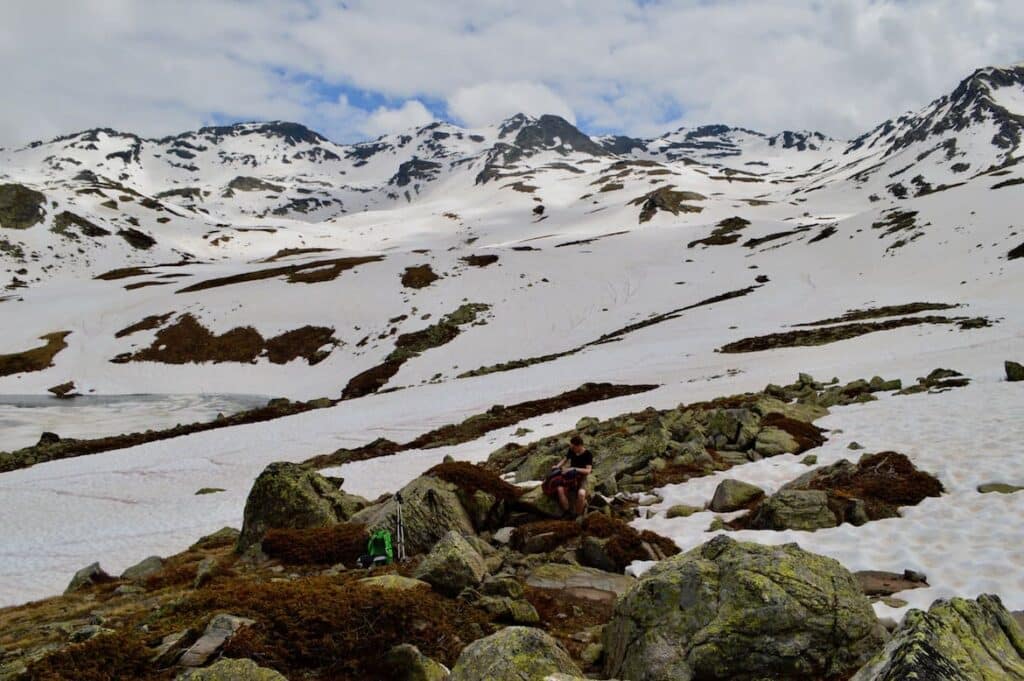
{"points": [[583, 250]]}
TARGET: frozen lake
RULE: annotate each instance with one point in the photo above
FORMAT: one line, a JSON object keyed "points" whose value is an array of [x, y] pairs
{"points": [[24, 417]]}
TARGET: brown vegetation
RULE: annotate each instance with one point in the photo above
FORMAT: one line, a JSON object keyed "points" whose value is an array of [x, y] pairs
{"points": [[480, 260], [342, 543], [471, 478], [188, 341], [146, 324], [418, 276]]}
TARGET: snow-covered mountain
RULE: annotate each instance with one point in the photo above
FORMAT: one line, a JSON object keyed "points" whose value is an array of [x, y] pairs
{"points": [[430, 275]]}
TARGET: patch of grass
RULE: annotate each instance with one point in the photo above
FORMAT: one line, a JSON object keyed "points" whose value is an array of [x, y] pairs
{"points": [[884, 311], [409, 345], [35, 359], [336, 265], [725, 233], [832, 334], [289, 252], [146, 324]]}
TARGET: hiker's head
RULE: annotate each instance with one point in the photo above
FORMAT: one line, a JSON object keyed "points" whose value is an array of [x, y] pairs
{"points": [[576, 444]]}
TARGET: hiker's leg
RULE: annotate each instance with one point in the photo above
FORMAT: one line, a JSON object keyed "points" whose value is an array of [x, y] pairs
{"points": [[563, 500], [581, 501]]}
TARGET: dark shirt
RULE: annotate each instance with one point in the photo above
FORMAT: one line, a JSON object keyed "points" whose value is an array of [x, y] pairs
{"points": [[581, 460]]}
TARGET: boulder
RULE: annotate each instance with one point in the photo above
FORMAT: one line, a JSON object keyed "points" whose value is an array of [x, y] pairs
{"points": [[510, 610], [956, 640], [430, 510], [20, 207], [795, 509], [581, 582], [734, 495], [229, 669], [1014, 371], [286, 495], [682, 511], [87, 576], [502, 586], [407, 663], [452, 565], [139, 572], [64, 390], [772, 441], [732, 610], [513, 654], [537, 502], [218, 632]]}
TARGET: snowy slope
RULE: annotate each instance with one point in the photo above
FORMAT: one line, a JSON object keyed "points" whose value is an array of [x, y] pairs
{"points": [[591, 236]]}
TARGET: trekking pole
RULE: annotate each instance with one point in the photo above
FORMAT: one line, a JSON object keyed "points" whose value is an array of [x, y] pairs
{"points": [[400, 530]]}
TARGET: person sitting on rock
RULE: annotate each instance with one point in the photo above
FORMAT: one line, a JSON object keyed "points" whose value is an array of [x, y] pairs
{"points": [[569, 477]]}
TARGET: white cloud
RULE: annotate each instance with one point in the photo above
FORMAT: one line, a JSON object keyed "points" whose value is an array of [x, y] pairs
{"points": [[491, 102], [412, 114], [840, 66]]}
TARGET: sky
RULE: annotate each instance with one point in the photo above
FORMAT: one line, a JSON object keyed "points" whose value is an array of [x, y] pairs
{"points": [[357, 69]]}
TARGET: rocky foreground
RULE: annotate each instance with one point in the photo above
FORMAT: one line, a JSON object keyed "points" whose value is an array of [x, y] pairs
{"points": [[500, 586]]}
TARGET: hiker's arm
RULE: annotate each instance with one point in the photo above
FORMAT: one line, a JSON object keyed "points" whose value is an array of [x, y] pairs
{"points": [[585, 471], [559, 464]]}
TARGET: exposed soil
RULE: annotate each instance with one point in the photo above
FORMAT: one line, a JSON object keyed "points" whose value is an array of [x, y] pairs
{"points": [[480, 424], [480, 260], [187, 341], [832, 334], [419, 276], [35, 359], [335, 265]]}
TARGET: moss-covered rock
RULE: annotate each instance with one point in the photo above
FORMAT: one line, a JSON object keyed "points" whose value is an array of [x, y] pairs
{"points": [[231, 670], [731, 610], [1014, 371], [407, 663], [513, 654], [430, 510], [794, 509], [20, 207], [286, 495], [682, 511], [733, 495], [452, 565], [774, 441], [956, 640]]}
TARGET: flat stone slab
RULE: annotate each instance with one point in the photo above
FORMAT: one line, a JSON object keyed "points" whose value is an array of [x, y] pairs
{"points": [[582, 582], [879, 583], [394, 582]]}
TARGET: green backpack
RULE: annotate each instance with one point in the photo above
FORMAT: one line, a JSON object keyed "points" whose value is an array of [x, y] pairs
{"points": [[379, 546]]}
